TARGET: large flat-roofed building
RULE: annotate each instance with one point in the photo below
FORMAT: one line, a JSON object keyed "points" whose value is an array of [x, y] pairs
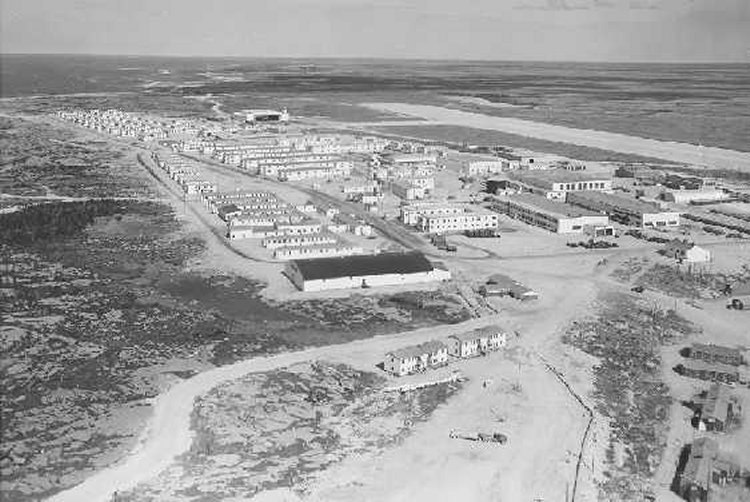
{"points": [[557, 217], [383, 269], [317, 169], [459, 222], [285, 241], [695, 196], [411, 213], [411, 159], [271, 228], [626, 210], [557, 183], [340, 169]]}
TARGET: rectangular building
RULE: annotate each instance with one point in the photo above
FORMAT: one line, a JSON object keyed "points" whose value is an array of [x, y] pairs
{"points": [[383, 269], [557, 217], [317, 251], [695, 196], [626, 210], [416, 358], [407, 191], [715, 409], [460, 222], [485, 167], [476, 342], [271, 228], [284, 241], [557, 183], [716, 354], [712, 372], [410, 214]]}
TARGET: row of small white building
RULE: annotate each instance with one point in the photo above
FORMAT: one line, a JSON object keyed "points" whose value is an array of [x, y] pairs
{"points": [[126, 124], [435, 353]]}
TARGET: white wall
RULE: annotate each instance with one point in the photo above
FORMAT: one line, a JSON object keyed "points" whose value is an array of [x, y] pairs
{"points": [[568, 225], [373, 280]]}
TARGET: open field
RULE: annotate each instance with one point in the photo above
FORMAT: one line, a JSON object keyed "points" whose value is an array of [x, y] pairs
{"points": [[476, 136], [675, 152]]}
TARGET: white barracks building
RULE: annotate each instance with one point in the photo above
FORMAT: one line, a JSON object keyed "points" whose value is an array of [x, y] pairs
{"points": [[458, 222]]}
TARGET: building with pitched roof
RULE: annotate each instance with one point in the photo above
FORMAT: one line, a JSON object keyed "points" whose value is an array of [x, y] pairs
{"points": [[715, 409], [476, 342], [416, 358]]}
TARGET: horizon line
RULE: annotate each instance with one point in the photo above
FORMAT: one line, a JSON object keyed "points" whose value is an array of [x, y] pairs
{"points": [[377, 58]]}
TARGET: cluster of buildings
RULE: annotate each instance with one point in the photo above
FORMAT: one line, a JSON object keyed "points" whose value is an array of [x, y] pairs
{"points": [[436, 217], [289, 157], [128, 125], [289, 231], [704, 472], [573, 201], [517, 160], [707, 472], [186, 175], [435, 353], [714, 363], [410, 176]]}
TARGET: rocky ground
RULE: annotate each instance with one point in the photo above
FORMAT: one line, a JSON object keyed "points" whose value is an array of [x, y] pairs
{"points": [[101, 311], [275, 429], [626, 335]]}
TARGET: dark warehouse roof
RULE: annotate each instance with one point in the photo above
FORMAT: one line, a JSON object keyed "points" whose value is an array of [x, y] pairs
{"points": [[359, 265]]}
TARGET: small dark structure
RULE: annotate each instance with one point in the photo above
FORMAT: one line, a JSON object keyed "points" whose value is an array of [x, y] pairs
{"points": [[716, 354], [502, 285], [715, 409], [712, 372], [679, 182]]}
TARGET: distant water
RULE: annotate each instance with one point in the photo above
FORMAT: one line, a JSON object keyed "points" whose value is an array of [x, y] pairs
{"points": [[707, 104]]}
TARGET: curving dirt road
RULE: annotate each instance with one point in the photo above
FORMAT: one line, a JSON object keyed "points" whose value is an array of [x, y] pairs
{"points": [[169, 434]]}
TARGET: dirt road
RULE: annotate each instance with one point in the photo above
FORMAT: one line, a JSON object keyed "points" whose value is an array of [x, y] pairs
{"points": [[677, 152], [169, 433]]}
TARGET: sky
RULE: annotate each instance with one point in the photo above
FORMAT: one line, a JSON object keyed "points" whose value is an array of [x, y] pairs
{"points": [[547, 30]]}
